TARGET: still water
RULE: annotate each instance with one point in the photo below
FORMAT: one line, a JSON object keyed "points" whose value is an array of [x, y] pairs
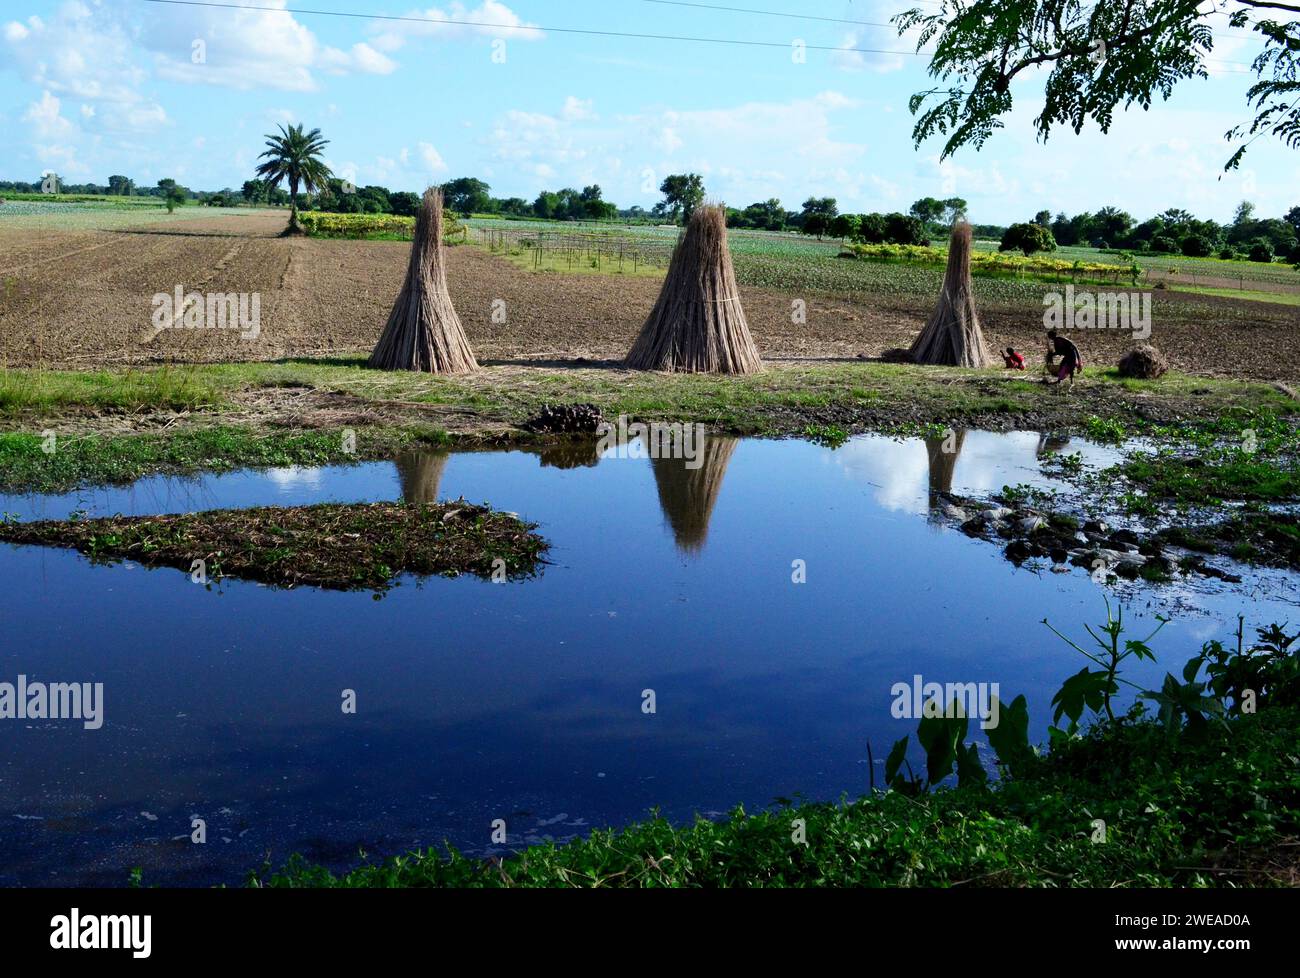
{"points": [[524, 701]]}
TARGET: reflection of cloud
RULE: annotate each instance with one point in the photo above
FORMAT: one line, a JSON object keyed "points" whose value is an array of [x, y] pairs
{"points": [[295, 477], [899, 470], [990, 461]]}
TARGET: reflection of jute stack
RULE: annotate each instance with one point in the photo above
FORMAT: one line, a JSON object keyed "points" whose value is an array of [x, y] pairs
{"points": [[687, 496], [952, 337], [697, 324], [423, 331], [943, 464], [570, 453], [420, 474]]}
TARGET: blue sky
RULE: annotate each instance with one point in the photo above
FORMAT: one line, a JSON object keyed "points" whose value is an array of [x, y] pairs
{"points": [[94, 87]]}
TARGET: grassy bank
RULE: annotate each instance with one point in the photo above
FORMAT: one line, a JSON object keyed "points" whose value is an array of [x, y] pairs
{"points": [[101, 458], [116, 425]]}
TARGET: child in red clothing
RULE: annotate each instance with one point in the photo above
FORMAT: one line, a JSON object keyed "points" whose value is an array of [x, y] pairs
{"points": [[1013, 360]]}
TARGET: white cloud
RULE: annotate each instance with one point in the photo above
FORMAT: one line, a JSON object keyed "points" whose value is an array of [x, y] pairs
{"points": [[82, 55], [868, 49], [576, 109], [361, 58], [250, 49], [489, 19], [432, 159], [746, 152], [45, 119], [15, 32]]}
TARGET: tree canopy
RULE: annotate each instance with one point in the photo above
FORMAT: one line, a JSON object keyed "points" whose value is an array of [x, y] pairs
{"points": [[1098, 56]]}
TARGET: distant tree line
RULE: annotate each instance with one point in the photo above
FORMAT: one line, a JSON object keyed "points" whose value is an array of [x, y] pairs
{"points": [[1173, 232]]}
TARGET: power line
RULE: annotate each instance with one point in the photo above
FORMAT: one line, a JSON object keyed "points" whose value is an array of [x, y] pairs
{"points": [[449, 22], [519, 27], [860, 23]]}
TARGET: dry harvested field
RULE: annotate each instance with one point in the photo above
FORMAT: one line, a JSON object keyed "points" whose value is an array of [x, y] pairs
{"points": [[83, 298]]}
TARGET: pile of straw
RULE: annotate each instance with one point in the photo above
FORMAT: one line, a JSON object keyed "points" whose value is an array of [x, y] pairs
{"points": [[423, 331], [1144, 362], [952, 337], [697, 325]]}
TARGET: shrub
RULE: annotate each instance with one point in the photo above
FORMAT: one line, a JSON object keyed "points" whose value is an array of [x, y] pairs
{"points": [[872, 229], [404, 203], [1261, 251], [903, 229], [1165, 245], [844, 226], [1027, 238], [1227, 254], [1197, 245]]}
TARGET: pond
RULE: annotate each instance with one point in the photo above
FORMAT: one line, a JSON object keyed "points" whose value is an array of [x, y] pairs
{"points": [[526, 701]]}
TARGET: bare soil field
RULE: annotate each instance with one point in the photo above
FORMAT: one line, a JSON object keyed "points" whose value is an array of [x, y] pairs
{"points": [[82, 299]]}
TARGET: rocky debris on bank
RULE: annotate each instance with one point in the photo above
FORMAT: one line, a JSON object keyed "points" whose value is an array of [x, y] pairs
{"points": [[566, 419], [1027, 533]]}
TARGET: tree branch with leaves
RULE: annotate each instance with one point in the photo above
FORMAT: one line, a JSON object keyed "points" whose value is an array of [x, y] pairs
{"points": [[1098, 57]]}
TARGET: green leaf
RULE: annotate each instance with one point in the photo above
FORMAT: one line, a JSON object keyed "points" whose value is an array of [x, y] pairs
{"points": [[894, 761], [1010, 738]]}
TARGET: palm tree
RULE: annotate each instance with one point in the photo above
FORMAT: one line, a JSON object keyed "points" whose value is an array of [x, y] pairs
{"points": [[295, 156]]}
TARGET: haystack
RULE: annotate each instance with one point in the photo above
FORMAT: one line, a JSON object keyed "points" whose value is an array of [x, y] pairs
{"points": [[687, 496], [952, 337], [1144, 362], [423, 331], [697, 324]]}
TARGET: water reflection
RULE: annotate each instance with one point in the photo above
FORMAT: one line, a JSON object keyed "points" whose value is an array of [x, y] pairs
{"points": [[420, 474], [943, 453], [570, 453], [1050, 443], [523, 701], [687, 495]]}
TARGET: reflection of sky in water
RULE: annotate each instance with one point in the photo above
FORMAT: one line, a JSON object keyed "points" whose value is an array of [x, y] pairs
{"points": [[522, 701], [987, 461]]}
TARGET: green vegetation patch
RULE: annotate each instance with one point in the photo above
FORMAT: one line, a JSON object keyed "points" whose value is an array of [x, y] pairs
{"points": [[1200, 480], [360, 546]]}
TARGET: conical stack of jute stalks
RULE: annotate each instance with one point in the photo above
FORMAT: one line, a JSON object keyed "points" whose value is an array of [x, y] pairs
{"points": [[952, 337], [697, 324], [423, 331]]}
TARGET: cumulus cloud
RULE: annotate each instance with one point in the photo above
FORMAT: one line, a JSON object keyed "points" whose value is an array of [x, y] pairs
{"points": [[45, 119], [432, 159], [489, 19], [250, 49], [84, 55], [746, 152]]}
